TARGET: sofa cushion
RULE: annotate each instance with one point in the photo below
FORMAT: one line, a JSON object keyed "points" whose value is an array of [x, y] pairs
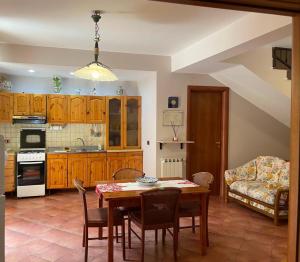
{"points": [[284, 175], [240, 186], [255, 189], [260, 191], [247, 171], [268, 168]]}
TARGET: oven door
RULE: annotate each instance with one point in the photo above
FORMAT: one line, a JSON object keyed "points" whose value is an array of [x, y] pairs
{"points": [[31, 173]]}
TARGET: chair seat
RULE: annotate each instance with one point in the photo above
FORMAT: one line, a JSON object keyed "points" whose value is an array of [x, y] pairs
{"points": [[189, 209], [99, 216]]}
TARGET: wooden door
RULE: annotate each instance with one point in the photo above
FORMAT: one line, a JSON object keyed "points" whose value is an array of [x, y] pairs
{"points": [[115, 161], [38, 105], [77, 168], [57, 171], [57, 109], [6, 107], [22, 104], [95, 107], [114, 122], [77, 109], [96, 168], [205, 118], [134, 160], [132, 122]]}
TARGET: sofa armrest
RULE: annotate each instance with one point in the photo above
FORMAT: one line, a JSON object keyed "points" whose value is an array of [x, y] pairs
{"points": [[282, 198], [230, 176]]}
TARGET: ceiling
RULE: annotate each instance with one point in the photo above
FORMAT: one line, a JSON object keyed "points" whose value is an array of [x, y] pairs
{"points": [[131, 26]]}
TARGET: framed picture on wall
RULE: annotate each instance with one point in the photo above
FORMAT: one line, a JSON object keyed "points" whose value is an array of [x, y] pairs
{"points": [[173, 102], [173, 117]]}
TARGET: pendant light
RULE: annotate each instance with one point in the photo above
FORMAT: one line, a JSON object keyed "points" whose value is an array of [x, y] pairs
{"points": [[95, 70]]}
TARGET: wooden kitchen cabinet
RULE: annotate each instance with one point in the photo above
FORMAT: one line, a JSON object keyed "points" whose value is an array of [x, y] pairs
{"points": [[57, 109], [132, 122], [57, 171], [134, 160], [22, 104], [96, 168], [38, 105], [123, 122], [95, 109], [6, 107], [77, 109], [77, 168], [118, 160], [114, 122], [9, 173]]}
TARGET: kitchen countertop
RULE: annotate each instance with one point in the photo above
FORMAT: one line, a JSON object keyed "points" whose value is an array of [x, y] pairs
{"points": [[86, 149]]}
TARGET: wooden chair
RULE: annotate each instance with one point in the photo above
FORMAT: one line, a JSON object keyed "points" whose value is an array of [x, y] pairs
{"points": [[127, 173], [124, 174], [192, 208], [159, 210], [97, 217]]}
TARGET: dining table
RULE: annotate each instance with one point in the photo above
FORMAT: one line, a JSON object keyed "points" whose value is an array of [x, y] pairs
{"points": [[126, 193]]}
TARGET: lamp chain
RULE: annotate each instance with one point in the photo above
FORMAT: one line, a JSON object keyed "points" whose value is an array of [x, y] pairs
{"points": [[97, 36]]}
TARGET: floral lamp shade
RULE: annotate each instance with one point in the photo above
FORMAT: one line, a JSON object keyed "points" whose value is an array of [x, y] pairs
{"points": [[97, 72]]}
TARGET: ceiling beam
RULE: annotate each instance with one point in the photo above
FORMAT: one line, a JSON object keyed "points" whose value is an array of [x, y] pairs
{"points": [[278, 7]]}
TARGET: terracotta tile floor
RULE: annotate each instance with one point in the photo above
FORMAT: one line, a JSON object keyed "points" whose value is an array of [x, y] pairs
{"points": [[50, 229]]}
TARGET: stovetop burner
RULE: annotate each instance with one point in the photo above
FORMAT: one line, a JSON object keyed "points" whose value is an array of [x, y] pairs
{"points": [[32, 150]]}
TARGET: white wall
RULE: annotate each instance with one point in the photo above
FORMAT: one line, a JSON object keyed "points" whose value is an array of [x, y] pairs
{"points": [[174, 84], [252, 132], [147, 89]]}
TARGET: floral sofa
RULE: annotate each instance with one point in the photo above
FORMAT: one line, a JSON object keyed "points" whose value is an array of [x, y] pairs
{"points": [[262, 185]]}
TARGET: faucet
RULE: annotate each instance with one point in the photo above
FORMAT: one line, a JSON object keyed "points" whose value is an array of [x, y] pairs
{"points": [[81, 139]]}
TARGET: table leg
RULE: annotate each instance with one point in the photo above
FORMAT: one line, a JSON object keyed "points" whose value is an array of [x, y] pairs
{"points": [[100, 230], [203, 224], [110, 232]]}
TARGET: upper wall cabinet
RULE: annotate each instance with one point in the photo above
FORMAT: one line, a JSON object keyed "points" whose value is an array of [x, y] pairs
{"points": [[57, 109], [123, 122], [6, 107], [114, 122], [38, 105], [29, 104], [95, 109], [132, 122], [22, 104], [77, 109]]}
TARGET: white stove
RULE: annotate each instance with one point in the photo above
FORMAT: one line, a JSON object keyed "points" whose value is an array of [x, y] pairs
{"points": [[31, 163], [31, 156]]}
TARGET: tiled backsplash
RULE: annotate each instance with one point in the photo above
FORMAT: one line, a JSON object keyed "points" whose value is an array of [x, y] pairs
{"points": [[56, 138]]}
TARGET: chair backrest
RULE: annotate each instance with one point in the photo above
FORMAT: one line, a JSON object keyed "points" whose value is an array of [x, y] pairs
{"points": [[160, 206], [204, 179], [127, 173], [79, 185]]}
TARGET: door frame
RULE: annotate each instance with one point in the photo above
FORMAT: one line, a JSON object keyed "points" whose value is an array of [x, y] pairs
{"points": [[224, 128]]}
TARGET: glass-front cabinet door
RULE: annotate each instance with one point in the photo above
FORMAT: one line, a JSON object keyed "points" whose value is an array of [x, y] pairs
{"points": [[132, 122], [114, 123]]}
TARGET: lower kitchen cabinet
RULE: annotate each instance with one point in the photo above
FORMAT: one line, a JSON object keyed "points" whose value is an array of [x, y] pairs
{"points": [[62, 169], [118, 160], [9, 173], [77, 168], [57, 171], [96, 168]]}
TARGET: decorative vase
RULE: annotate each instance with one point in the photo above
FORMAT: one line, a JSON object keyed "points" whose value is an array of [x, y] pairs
{"points": [[57, 84], [120, 91]]}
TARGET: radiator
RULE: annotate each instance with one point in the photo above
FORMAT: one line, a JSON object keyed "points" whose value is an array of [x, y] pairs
{"points": [[172, 167]]}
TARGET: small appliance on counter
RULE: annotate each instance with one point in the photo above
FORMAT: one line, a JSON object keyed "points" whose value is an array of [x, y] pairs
{"points": [[31, 168]]}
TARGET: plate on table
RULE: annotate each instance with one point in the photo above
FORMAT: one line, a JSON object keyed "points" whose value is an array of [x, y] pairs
{"points": [[147, 181]]}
